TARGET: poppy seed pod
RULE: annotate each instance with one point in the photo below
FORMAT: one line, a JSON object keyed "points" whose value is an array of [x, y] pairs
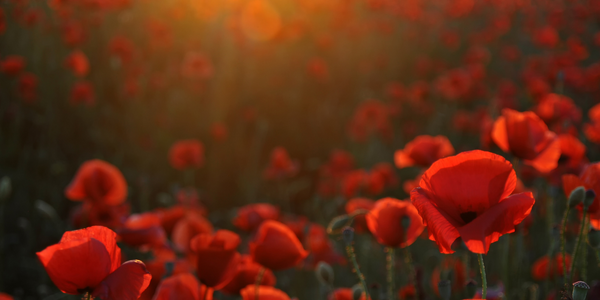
{"points": [[445, 288], [324, 273], [590, 195], [594, 238], [348, 235], [357, 292], [576, 197], [580, 290]]}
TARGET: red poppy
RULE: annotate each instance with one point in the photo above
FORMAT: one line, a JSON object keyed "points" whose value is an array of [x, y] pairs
{"points": [[98, 181], [158, 268], [187, 228], [89, 261], [280, 165], [264, 293], [82, 92], [385, 221], [101, 214], [589, 179], [558, 108], [246, 274], [546, 37], [540, 270], [123, 48], [216, 257], [143, 230], [407, 292], [527, 137], [78, 63], [370, 118], [344, 294], [186, 154], [467, 196], [12, 65], [572, 151], [276, 246], [4, 296], [423, 151], [182, 286], [249, 217], [360, 222]]}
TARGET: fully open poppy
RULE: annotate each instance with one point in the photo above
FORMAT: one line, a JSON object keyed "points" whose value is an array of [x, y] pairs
{"points": [[276, 246], [527, 137], [98, 181], [385, 221], [89, 261], [216, 257], [423, 151], [467, 196]]}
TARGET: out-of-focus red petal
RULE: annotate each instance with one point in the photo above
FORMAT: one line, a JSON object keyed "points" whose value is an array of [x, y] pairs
{"points": [[264, 293], [441, 227], [500, 135], [402, 160], [182, 286], [547, 160], [76, 265], [471, 181], [496, 221], [570, 182], [126, 283]]}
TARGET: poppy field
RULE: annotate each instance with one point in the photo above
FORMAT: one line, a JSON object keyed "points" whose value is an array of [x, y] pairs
{"points": [[300, 149]]}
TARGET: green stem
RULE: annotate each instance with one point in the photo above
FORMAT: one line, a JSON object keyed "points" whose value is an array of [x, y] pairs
{"points": [[361, 277], [259, 279], [574, 257], [390, 271], [89, 296], [483, 276], [563, 229]]}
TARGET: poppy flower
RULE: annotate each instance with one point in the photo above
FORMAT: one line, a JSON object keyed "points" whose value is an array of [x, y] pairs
{"points": [[385, 221], [187, 228], [467, 196], [246, 273], [370, 118], [98, 181], [572, 151], [264, 293], [216, 257], [546, 37], [100, 214], [360, 222], [158, 268], [186, 154], [249, 217], [423, 151], [276, 246], [143, 230], [82, 92], [280, 165], [540, 270], [344, 294], [589, 179], [558, 108], [259, 20], [78, 62], [12, 65], [182, 286], [89, 261], [527, 137]]}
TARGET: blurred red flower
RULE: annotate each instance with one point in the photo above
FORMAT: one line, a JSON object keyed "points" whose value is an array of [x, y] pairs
{"points": [[12, 65], [143, 230], [589, 179], [216, 257], [264, 293], [78, 62], [360, 222], [386, 222], [187, 228], [82, 92], [182, 286], [245, 274], [276, 247], [280, 165], [186, 154], [89, 261], [249, 217], [467, 196], [98, 181], [423, 151], [543, 269]]}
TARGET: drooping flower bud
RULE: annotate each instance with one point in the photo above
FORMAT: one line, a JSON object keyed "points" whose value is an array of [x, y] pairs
{"points": [[338, 223], [576, 197], [357, 292], [580, 290], [348, 235], [590, 195], [324, 273]]}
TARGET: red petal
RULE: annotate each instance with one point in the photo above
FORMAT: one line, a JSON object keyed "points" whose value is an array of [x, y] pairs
{"points": [[181, 286], [440, 226], [499, 134], [402, 159], [385, 222], [471, 181], [76, 265], [126, 283], [547, 160], [496, 221], [570, 182], [106, 236]]}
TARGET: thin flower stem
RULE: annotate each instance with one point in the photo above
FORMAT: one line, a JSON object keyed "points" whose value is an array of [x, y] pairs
{"points": [[584, 255], [574, 257], [361, 277], [563, 229], [483, 277], [259, 279], [89, 296], [390, 271]]}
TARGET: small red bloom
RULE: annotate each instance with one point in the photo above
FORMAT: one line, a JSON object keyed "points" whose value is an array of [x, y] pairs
{"points": [[546, 37], [12, 65], [276, 246], [181, 286], [186, 154], [249, 217], [385, 221], [280, 165], [423, 151], [527, 137], [216, 257], [264, 293], [143, 230], [541, 269], [98, 181], [558, 108], [78, 63], [589, 179], [246, 274], [187, 228], [467, 196], [360, 222], [89, 261]]}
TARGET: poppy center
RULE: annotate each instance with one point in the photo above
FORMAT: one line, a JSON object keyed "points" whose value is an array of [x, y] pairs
{"points": [[469, 216]]}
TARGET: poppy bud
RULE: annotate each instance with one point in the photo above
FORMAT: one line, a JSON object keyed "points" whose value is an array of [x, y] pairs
{"points": [[471, 288], [580, 290], [338, 223], [5, 188], [324, 273], [348, 235], [590, 195], [594, 238], [357, 292], [445, 289], [576, 196]]}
